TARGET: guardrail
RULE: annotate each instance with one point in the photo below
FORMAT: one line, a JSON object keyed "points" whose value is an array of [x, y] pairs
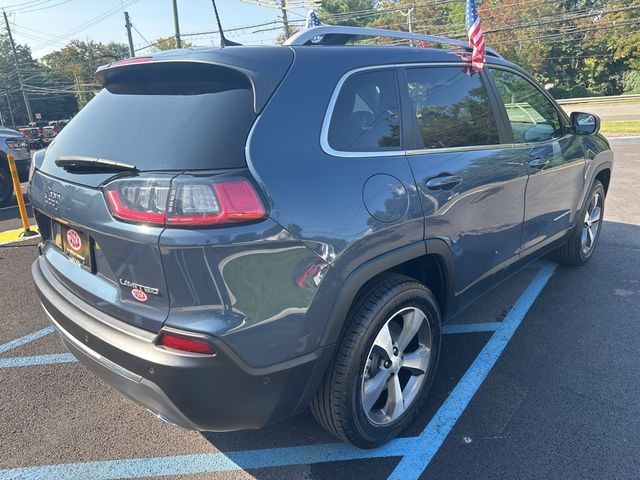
{"points": [[612, 99]]}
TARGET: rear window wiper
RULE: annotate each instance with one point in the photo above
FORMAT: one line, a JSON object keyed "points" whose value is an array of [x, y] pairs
{"points": [[92, 164]]}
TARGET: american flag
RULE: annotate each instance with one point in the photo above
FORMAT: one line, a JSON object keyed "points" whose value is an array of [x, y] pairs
{"points": [[476, 37], [313, 21]]}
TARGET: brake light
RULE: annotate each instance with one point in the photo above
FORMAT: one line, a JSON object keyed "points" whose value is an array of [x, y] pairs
{"points": [[187, 200], [130, 61], [185, 344]]}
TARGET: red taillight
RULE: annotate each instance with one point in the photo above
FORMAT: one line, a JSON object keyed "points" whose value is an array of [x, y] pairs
{"points": [[187, 200], [185, 344], [223, 202], [120, 210]]}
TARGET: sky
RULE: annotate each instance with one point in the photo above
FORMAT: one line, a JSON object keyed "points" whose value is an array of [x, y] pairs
{"points": [[47, 25]]}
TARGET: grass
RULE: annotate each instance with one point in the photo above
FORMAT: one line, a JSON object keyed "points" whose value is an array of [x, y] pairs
{"points": [[620, 127]]}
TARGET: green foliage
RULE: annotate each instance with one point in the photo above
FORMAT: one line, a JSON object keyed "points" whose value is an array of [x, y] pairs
{"points": [[169, 43], [631, 82], [77, 62], [332, 12]]}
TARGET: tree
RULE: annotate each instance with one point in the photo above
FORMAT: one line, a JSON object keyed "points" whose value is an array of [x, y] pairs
{"points": [[168, 43], [77, 62], [357, 13]]}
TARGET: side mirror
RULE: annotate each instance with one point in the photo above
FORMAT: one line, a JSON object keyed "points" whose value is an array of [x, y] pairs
{"points": [[585, 123]]}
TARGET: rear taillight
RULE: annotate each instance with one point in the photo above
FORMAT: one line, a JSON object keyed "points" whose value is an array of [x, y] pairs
{"points": [[187, 200], [185, 344], [17, 143]]}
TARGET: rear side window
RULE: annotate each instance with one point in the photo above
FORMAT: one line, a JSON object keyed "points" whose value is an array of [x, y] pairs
{"points": [[532, 116], [165, 117], [366, 116], [450, 108]]}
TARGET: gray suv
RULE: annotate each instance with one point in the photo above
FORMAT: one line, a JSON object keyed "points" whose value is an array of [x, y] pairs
{"points": [[230, 236], [12, 142]]}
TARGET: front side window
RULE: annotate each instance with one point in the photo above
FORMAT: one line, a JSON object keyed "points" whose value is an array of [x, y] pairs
{"points": [[366, 116], [532, 115], [450, 108]]}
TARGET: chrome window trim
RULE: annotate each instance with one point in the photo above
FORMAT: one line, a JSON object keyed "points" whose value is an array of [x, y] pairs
{"points": [[324, 133]]}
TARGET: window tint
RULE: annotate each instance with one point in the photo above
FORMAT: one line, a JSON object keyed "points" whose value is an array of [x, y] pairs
{"points": [[188, 116], [450, 108], [532, 116], [366, 114]]}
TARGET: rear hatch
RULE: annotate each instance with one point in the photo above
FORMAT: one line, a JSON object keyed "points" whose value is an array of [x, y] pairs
{"points": [[101, 191]]}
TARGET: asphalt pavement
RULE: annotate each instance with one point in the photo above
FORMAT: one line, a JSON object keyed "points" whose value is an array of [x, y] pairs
{"points": [[539, 379]]}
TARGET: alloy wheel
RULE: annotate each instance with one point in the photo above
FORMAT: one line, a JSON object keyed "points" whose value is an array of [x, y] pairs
{"points": [[591, 225], [396, 366]]}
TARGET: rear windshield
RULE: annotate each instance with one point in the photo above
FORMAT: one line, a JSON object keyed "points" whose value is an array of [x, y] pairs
{"points": [[165, 117]]}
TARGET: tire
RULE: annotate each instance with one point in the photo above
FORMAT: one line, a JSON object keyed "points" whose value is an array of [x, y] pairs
{"points": [[6, 186], [397, 305], [575, 251]]}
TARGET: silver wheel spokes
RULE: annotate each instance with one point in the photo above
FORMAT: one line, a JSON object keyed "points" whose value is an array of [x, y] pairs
{"points": [[591, 224], [396, 366]]}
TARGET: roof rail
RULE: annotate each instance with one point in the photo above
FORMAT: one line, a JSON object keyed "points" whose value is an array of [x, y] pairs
{"points": [[340, 35]]}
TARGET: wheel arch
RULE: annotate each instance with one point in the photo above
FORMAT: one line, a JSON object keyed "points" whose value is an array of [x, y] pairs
{"points": [[430, 262]]}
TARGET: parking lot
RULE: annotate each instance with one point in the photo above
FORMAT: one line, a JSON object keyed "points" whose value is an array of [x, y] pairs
{"points": [[537, 380]]}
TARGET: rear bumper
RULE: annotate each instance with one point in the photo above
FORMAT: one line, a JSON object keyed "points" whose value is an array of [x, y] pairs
{"points": [[216, 393]]}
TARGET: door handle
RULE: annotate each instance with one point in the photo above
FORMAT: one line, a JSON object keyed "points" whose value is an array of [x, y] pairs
{"points": [[444, 183], [538, 163]]}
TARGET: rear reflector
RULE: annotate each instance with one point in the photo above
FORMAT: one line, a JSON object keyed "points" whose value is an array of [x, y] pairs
{"points": [[185, 344]]}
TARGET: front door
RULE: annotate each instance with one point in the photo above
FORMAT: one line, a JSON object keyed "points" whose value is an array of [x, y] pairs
{"points": [[472, 188], [553, 155]]}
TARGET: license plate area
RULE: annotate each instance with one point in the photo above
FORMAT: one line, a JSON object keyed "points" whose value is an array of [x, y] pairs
{"points": [[77, 246]]}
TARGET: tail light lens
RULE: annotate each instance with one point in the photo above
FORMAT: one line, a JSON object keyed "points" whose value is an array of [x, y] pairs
{"points": [[185, 344], [187, 200]]}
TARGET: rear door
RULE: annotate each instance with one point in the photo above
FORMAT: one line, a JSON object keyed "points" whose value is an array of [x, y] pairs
{"points": [[472, 187], [553, 155]]}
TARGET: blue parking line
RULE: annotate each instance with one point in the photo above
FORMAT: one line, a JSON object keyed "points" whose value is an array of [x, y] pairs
{"points": [[470, 328], [415, 452], [37, 360], [429, 441], [26, 339], [205, 462]]}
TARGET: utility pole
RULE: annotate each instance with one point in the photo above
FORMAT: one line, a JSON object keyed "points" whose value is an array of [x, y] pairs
{"points": [[409, 18], [285, 19], [13, 122], [127, 24], [176, 23], [15, 59]]}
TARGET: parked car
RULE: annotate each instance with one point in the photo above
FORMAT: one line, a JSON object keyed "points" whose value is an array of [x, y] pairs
{"points": [[35, 137], [12, 141], [231, 235], [49, 133]]}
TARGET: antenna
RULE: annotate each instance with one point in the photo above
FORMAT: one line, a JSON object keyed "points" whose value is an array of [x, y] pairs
{"points": [[224, 42]]}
